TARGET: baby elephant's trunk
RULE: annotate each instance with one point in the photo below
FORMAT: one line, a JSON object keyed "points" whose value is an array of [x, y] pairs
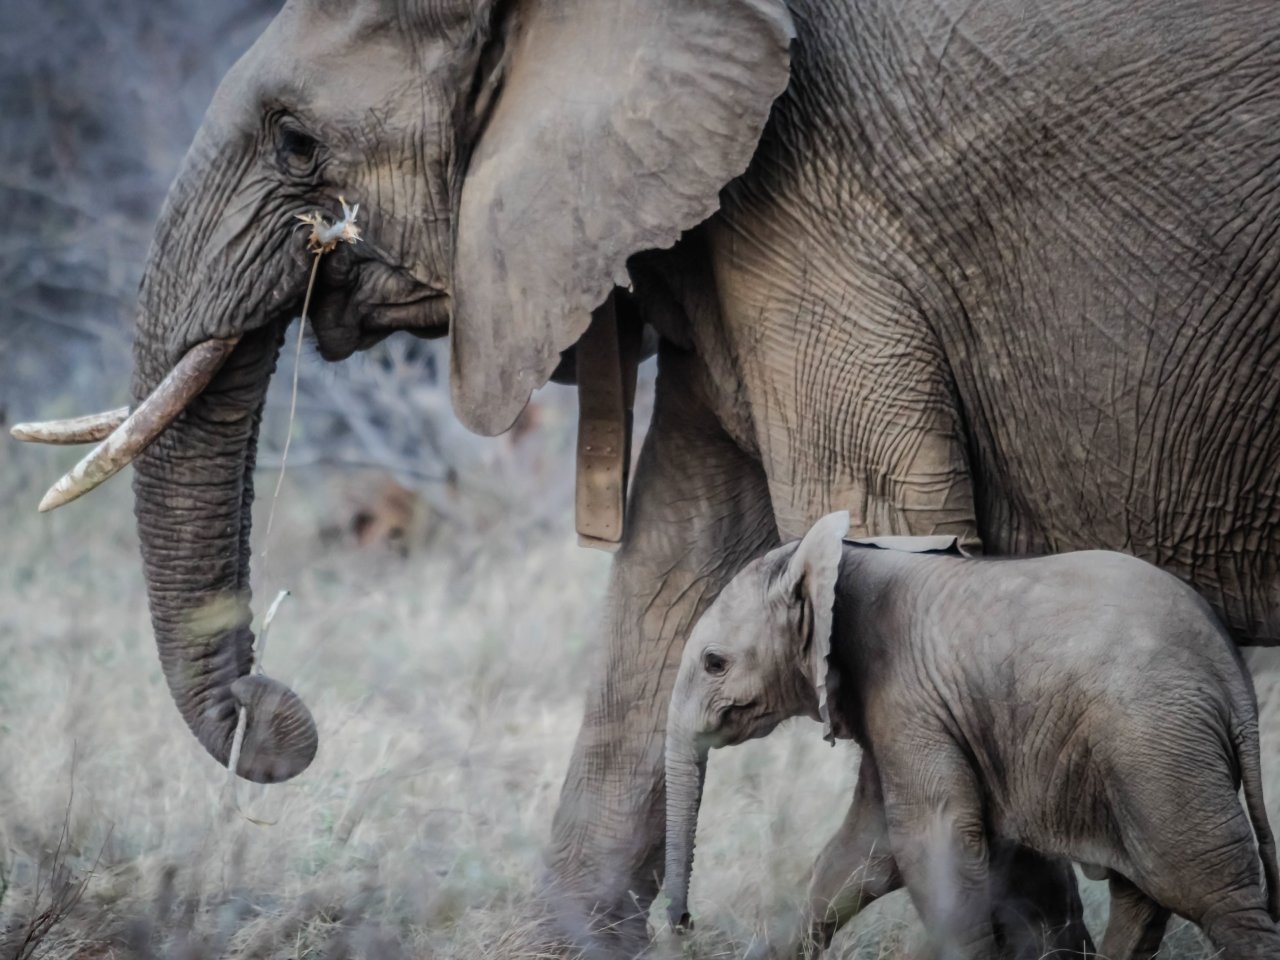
{"points": [[686, 770]]}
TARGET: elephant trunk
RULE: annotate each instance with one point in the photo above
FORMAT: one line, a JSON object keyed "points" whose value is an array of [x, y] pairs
{"points": [[686, 772], [193, 489]]}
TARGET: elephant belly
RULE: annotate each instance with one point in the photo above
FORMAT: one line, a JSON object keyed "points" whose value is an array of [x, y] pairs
{"points": [[1074, 820], [1149, 768]]}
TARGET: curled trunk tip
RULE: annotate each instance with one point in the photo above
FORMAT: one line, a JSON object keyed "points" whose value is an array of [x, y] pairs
{"points": [[280, 738]]}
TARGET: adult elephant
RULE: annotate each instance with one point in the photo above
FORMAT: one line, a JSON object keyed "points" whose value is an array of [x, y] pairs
{"points": [[994, 269]]}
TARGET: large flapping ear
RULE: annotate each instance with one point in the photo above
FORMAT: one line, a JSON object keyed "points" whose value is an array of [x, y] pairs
{"points": [[811, 575], [617, 125]]}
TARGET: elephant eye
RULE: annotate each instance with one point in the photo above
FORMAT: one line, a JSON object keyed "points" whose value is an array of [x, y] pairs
{"points": [[296, 150], [714, 664]]}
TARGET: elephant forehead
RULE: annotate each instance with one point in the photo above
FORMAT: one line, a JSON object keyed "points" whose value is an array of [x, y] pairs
{"points": [[340, 68], [750, 587], [740, 613], [333, 68]]}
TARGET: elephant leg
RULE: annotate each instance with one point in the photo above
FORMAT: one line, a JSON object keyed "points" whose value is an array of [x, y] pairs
{"points": [[1036, 905], [855, 400], [1030, 893], [1191, 848], [1246, 934], [1137, 923], [856, 866], [938, 831], [854, 869], [699, 511]]}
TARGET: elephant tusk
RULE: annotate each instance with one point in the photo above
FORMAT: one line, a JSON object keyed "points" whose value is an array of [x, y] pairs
{"points": [[88, 429], [185, 381]]}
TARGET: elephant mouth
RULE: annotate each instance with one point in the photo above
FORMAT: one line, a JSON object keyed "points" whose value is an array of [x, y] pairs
{"points": [[748, 728], [358, 304], [425, 313]]}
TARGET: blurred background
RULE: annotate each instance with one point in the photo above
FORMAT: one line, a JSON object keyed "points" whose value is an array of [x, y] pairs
{"points": [[442, 624], [99, 102]]}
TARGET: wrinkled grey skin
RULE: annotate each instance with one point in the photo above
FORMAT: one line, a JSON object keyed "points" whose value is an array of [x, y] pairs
{"points": [[1087, 706], [991, 269]]}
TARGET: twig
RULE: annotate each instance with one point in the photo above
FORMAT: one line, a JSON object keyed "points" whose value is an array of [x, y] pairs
{"points": [[266, 627], [293, 407], [323, 238], [242, 721], [369, 437], [65, 893]]}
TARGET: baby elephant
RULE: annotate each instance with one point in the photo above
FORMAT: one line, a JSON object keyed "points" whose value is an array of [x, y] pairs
{"points": [[1086, 706]]}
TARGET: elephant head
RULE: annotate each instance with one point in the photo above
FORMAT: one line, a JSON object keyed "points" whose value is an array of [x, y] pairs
{"points": [[758, 656], [508, 157]]}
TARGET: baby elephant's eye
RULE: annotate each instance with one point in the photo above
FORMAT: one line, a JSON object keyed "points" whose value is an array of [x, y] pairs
{"points": [[714, 664]]}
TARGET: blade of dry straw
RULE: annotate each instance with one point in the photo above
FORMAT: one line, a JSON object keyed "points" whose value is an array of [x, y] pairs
{"points": [[293, 406], [231, 803]]}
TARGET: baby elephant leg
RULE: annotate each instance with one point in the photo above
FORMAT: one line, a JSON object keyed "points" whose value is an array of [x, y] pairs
{"points": [[856, 866], [1036, 905], [1137, 923], [1200, 860], [936, 825], [1247, 933]]}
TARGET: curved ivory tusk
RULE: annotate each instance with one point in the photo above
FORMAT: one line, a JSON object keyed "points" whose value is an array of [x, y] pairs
{"points": [[191, 375], [87, 429]]}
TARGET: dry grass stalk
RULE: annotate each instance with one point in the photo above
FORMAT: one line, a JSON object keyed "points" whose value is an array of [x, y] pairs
{"points": [[323, 238], [232, 804]]}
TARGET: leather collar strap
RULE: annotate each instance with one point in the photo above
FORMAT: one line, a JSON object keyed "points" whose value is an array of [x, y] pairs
{"points": [[605, 363]]}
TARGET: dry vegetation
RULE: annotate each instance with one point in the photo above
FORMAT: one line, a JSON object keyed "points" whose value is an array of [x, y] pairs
{"points": [[446, 672], [447, 684], [443, 625]]}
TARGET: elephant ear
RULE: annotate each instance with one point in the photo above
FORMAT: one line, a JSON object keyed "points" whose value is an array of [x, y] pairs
{"points": [[810, 578], [617, 124]]}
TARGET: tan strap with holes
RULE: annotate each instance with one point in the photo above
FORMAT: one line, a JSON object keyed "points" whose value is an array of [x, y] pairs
{"points": [[605, 363]]}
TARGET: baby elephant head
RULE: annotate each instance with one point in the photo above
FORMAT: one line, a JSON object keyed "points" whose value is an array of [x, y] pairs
{"points": [[756, 657]]}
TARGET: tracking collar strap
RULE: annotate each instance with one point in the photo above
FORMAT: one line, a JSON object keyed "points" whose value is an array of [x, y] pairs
{"points": [[605, 362]]}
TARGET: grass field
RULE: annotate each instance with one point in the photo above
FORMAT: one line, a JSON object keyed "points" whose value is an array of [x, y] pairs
{"points": [[447, 686]]}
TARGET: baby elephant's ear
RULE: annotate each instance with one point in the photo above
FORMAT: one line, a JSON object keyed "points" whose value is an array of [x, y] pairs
{"points": [[810, 577]]}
